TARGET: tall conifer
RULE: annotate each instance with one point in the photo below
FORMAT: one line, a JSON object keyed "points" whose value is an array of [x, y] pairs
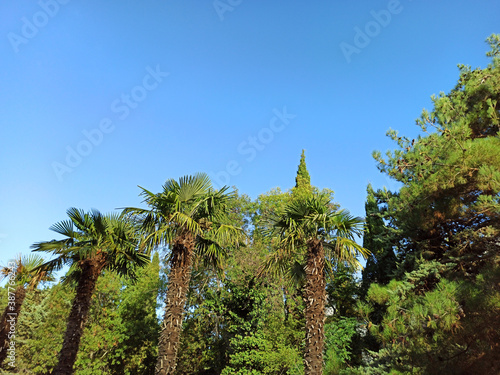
{"points": [[303, 186]]}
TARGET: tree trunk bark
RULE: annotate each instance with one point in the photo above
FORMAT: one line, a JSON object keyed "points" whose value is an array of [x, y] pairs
{"points": [[9, 319], [315, 308], [91, 270], [178, 285]]}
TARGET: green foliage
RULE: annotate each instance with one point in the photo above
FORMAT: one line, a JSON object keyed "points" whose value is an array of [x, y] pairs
{"points": [[27, 272], [429, 302], [121, 332], [342, 290], [137, 353], [91, 235], [494, 42], [434, 325], [303, 186], [314, 217], [237, 323], [264, 205], [237, 327], [449, 205], [189, 205], [303, 179], [338, 337], [306, 226], [256, 354], [203, 341], [380, 239], [103, 331], [444, 226], [259, 338], [41, 327]]}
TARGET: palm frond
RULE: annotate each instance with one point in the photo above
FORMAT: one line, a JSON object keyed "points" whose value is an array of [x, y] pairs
{"points": [[65, 228], [347, 250], [210, 253], [225, 235], [126, 263], [283, 263], [164, 235], [79, 218], [32, 274], [98, 222], [148, 195], [54, 246], [185, 221], [191, 187], [73, 275], [27, 272], [53, 265]]}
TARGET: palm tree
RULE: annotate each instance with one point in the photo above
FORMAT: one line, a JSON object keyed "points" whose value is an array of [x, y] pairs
{"points": [[92, 244], [310, 228], [24, 277], [189, 217]]}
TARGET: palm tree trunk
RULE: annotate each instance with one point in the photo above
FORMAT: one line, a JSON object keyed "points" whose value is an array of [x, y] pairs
{"points": [[315, 308], [90, 272], [9, 319], [178, 285]]}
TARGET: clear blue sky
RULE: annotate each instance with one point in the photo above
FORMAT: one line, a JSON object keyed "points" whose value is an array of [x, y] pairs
{"points": [[98, 97]]}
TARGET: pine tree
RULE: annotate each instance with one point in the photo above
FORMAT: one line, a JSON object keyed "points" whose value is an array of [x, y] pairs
{"points": [[441, 309], [449, 205]]}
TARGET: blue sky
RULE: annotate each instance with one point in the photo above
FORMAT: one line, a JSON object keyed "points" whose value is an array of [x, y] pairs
{"points": [[98, 97]]}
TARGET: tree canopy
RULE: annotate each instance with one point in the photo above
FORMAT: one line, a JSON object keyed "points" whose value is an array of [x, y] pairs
{"points": [[274, 285]]}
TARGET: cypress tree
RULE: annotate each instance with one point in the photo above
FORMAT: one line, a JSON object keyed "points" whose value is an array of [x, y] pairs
{"points": [[303, 186], [303, 179]]}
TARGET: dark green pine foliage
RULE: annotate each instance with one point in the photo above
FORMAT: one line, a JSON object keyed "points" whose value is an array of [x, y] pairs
{"points": [[379, 238], [449, 205], [442, 310]]}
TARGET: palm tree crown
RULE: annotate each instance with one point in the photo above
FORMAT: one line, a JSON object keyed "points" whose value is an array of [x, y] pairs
{"points": [[108, 239], [192, 207], [313, 218]]}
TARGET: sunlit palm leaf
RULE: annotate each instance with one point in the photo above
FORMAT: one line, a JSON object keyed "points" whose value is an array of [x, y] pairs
{"points": [[65, 228]]}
